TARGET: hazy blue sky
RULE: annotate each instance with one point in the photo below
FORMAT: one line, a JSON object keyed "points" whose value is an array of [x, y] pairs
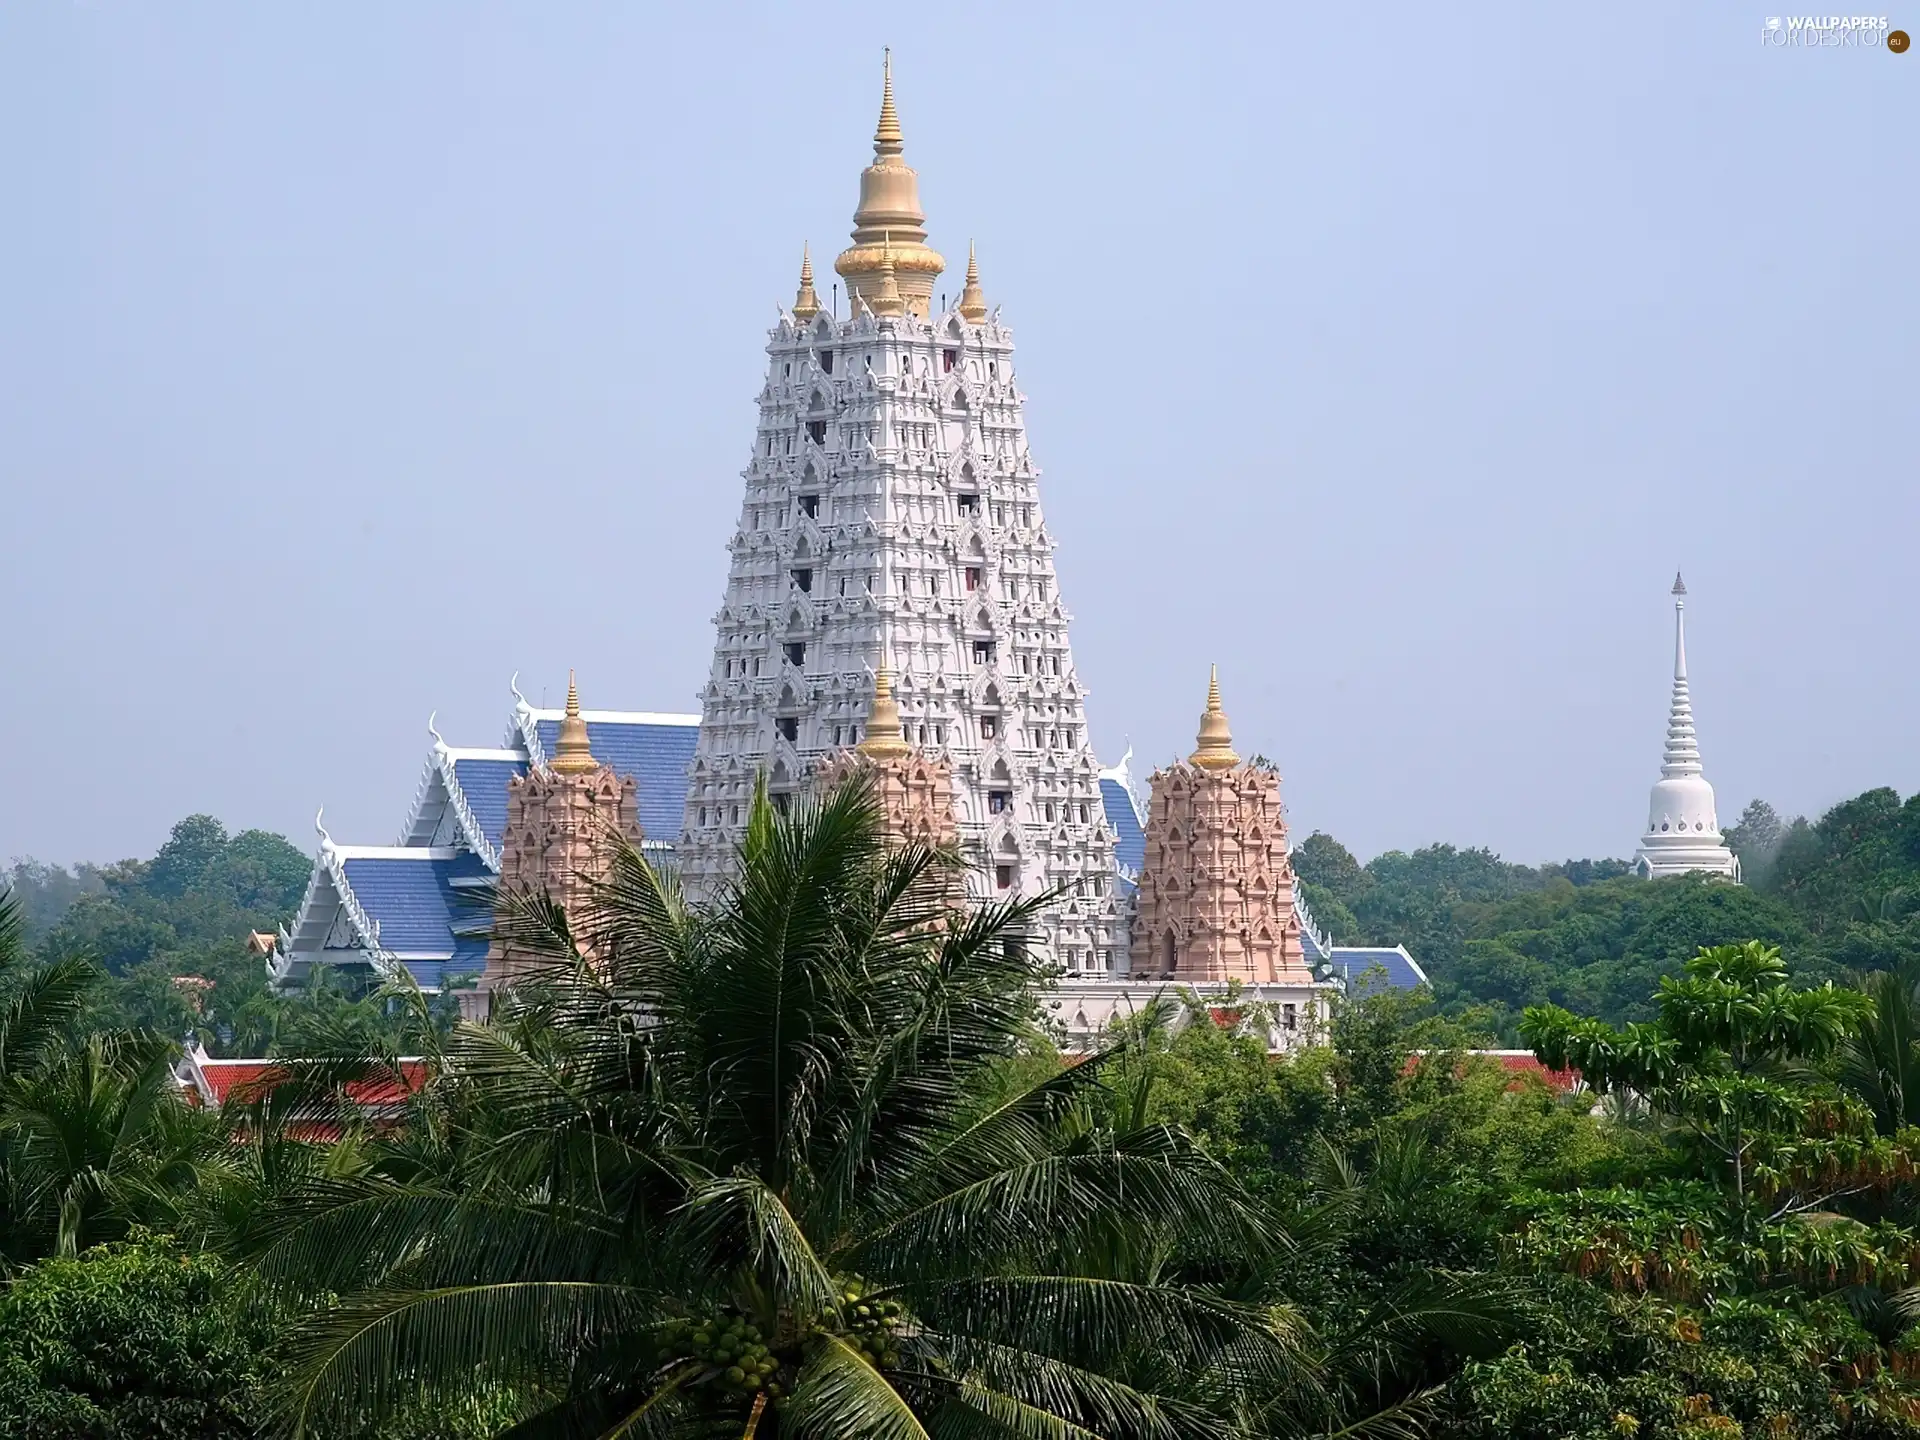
{"points": [[353, 357]]}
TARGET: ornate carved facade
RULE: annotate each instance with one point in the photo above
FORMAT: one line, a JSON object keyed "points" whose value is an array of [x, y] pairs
{"points": [[892, 510], [562, 821], [1216, 895]]}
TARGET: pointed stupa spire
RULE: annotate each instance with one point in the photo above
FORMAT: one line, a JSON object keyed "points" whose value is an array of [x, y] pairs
{"points": [[1683, 828], [572, 755], [1683, 745], [1215, 748], [806, 304], [887, 139], [890, 206], [973, 303], [884, 739]]}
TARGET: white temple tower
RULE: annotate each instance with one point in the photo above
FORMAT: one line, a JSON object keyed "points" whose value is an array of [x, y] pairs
{"points": [[1683, 829], [892, 517]]}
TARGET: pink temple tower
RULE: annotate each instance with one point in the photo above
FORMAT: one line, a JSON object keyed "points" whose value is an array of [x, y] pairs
{"points": [[914, 790], [563, 822], [1216, 894]]}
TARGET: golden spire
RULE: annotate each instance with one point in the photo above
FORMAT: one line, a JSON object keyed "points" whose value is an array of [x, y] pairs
{"points": [[973, 304], [887, 139], [890, 205], [572, 755], [884, 738], [886, 299], [1215, 750], [806, 304]]}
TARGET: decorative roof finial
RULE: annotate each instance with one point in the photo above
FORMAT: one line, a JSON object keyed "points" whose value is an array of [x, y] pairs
{"points": [[519, 700], [885, 739], [438, 742], [973, 303], [806, 304], [889, 202], [572, 755], [1215, 748], [887, 139], [887, 299]]}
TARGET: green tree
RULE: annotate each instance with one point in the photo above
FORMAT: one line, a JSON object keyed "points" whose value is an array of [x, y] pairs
{"points": [[1718, 1061], [758, 1164], [138, 1340], [1322, 860]]}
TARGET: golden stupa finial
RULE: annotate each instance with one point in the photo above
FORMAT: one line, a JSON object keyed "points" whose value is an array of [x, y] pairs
{"points": [[885, 740], [887, 299], [806, 304], [973, 303], [887, 139], [890, 205], [572, 755], [1215, 748]]}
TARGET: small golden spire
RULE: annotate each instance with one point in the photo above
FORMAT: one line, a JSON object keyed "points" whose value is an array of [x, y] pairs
{"points": [[1215, 748], [887, 299], [973, 304], [806, 304], [572, 755], [884, 741], [887, 139]]}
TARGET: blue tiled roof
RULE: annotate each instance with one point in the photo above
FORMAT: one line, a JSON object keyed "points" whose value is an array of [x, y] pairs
{"points": [[415, 903], [485, 785], [655, 755], [1130, 841], [1353, 964], [469, 957]]}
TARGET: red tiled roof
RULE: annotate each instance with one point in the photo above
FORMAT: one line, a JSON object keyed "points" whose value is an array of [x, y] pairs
{"points": [[247, 1080]]}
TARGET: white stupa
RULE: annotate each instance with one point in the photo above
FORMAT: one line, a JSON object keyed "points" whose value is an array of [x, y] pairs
{"points": [[1683, 829]]}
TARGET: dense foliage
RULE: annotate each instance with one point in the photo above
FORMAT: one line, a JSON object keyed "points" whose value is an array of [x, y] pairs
{"points": [[805, 1161], [1841, 895], [170, 938]]}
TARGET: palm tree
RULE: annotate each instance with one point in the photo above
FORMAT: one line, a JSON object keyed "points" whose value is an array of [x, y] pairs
{"points": [[94, 1133], [798, 1162], [1880, 1060], [37, 1004]]}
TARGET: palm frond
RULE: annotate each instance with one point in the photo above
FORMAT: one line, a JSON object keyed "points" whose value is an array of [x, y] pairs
{"points": [[840, 1394], [369, 1356]]}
